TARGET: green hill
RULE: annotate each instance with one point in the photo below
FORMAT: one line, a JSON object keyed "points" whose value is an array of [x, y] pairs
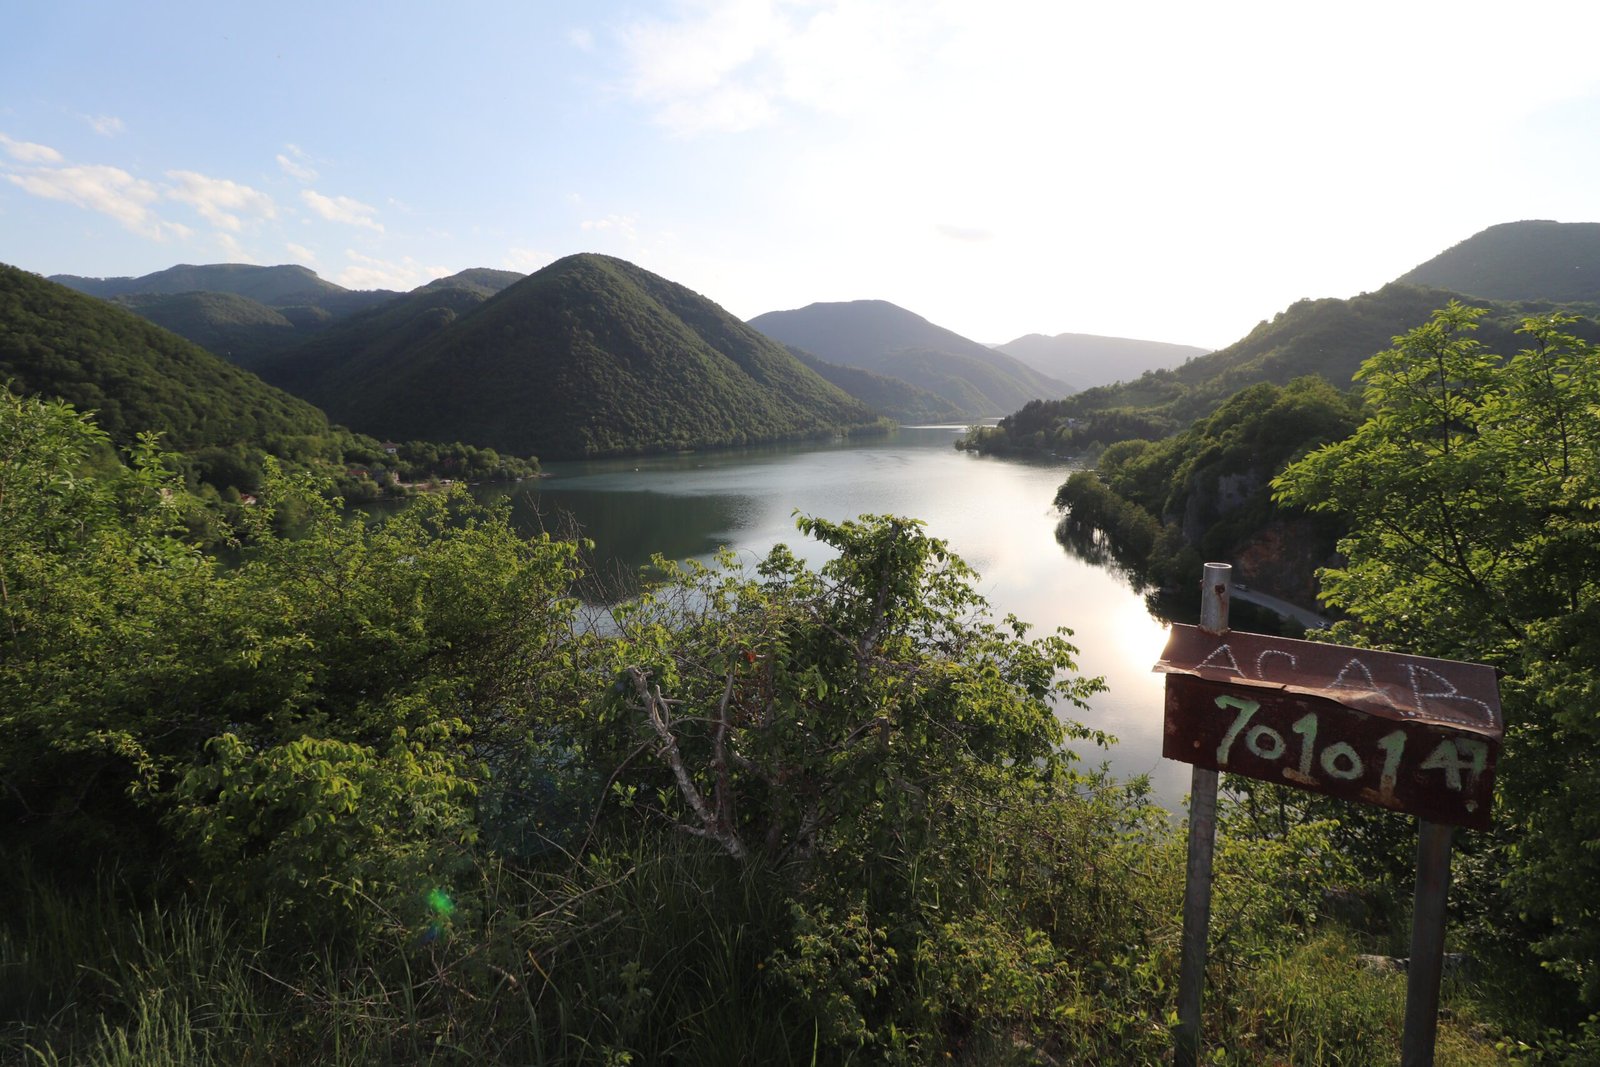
{"points": [[589, 356], [132, 374], [878, 336], [1532, 260]]}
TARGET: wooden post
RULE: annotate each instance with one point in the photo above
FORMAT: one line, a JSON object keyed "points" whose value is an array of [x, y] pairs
{"points": [[1202, 843], [1427, 944]]}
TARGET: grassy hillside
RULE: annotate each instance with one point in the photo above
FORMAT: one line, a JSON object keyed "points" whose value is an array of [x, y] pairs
{"points": [[589, 356], [1532, 260], [132, 374], [876, 335]]}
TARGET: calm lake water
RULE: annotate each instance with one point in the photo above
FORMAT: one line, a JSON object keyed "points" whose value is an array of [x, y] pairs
{"points": [[996, 514]]}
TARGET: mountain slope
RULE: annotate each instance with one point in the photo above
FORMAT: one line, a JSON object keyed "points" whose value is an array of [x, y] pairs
{"points": [[345, 356], [878, 336], [1085, 360], [1532, 260], [485, 280], [589, 356], [234, 327], [1327, 338], [134, 375], [248, 314], [898, 399]]}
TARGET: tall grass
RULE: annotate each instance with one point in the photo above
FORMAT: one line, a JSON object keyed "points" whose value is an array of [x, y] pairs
{"points": [[650, 949]]}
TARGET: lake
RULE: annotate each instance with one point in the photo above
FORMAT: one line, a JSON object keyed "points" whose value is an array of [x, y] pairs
{"points": [[995, 513]]}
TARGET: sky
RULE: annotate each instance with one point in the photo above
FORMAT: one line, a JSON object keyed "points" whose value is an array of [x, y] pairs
{"points": [[1166, 171]]}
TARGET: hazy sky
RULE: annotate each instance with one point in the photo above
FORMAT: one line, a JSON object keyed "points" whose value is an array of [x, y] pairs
{"points": [[1173, 171]]}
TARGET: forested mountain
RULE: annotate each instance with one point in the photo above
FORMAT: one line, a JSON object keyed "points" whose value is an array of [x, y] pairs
{"points": [[247, 313], [894, 397], [285, 285], [346, 355], [485, 280], [240, 330], [1531, 260], [1328, 338], [132, 374], [878, 336], [1085, 360], [589, 356]]}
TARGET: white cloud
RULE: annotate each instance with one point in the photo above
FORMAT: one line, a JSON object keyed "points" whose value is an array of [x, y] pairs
{"points": [[219, 201], [964, 233], [295, 163], [342, 209], [365, 272], [727, 66], [108, 190], [526, 260], [105, 125], [28, 152], [581, 39], [301, 252], [233, 249], [622, 225]]}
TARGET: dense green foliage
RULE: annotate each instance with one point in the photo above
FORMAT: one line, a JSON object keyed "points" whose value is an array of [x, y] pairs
{"points": [[1165, 506], [1530, 260], [589, 356], [240, 330], [134, 376], [377, 795], [1473, 512], [877, 336], [221, 423]]}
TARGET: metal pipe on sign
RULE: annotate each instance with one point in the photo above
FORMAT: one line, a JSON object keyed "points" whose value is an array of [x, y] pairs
{"points": [[1215, 582]]}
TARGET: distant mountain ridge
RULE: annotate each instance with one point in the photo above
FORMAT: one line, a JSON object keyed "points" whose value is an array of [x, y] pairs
{"points": [[1085, 360], [285, 285], [246, 313], [588, 356], [880, 337], [1530, 260]]}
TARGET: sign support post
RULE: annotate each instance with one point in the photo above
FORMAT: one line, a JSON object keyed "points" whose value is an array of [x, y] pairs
{"points": [[1404, 732], [1202, 844], [1427, 944]]}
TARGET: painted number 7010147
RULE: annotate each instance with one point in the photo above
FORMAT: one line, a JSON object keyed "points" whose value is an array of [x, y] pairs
{"points": [[1459, 759]]}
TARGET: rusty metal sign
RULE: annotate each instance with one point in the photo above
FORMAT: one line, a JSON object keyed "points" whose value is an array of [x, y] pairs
{"points": [[1410, 733]]}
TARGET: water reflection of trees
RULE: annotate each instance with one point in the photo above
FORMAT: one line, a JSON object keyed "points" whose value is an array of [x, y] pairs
{"points": [[1097, 548]]}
